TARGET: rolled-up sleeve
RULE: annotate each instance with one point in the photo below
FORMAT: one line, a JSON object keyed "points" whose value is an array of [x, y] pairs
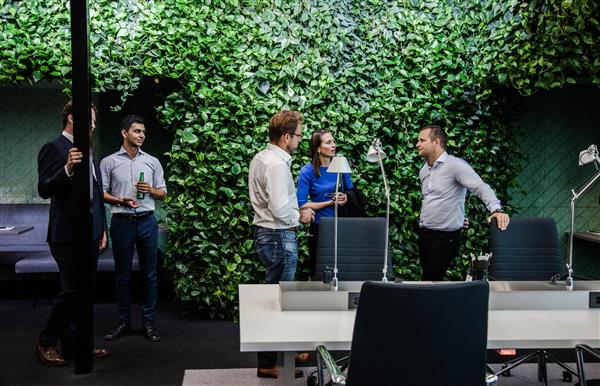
{"points": [[281, 203], [105, 171]]}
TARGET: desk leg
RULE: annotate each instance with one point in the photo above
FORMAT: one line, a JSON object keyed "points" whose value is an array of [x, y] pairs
{"points": [[287, 367]]}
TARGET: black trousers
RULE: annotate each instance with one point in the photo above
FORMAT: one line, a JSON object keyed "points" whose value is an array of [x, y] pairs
{"points": [[60, 324], [436, 251]]}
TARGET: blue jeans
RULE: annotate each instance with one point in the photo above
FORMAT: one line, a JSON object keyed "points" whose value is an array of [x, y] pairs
{"points": [[143, 234], [278, 251]]}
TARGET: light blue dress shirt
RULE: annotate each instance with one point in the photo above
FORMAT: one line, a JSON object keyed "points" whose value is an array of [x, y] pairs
{"points": [[120, 173], [444, 187]]}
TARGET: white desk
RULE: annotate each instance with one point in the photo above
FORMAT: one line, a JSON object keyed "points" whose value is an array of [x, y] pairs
{"points": [[264, 327]]}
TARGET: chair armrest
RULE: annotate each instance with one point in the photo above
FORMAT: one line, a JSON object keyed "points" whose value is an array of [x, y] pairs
{"points": [[324, 358]]}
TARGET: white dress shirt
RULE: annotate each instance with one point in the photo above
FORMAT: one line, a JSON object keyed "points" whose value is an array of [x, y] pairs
{"points": [[272, 190]]}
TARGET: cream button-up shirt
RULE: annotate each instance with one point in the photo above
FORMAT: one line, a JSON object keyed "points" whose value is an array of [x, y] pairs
{"points": [[272, 190]]}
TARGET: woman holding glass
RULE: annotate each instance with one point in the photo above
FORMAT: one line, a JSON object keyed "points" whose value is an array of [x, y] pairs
{"points": [[316, 187]]}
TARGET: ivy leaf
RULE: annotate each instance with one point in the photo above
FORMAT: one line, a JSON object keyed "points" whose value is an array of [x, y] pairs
{"points": [[264, 86], [228, 192], [189, 137]]}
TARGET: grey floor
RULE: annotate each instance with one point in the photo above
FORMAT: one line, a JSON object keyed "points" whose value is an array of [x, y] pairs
{"points": [[524, 375]]}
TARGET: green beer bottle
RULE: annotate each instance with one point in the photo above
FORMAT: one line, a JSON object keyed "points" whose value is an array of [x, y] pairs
{"points": [[140, 195]]}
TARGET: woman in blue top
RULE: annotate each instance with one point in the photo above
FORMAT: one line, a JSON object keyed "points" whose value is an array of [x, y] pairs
{"points": [[316, 183]]}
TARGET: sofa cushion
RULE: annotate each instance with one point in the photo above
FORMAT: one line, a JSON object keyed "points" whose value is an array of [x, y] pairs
{"points": [[35, 215], [43, 262]]}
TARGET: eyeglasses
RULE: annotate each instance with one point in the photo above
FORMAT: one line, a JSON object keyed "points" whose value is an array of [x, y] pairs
{"points": [[297, 135]]}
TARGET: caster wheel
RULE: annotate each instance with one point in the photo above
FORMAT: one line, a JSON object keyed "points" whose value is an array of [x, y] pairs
{"points": [[505, 373], [567, 376], [312, 380]]}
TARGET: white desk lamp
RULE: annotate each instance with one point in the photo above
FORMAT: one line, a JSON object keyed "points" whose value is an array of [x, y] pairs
{"points": [[376, 154], [586, 156], [339, 164]]}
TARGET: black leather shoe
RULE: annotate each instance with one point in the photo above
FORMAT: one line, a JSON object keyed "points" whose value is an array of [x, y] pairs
{"points": [[119, 332], [151, 333]]}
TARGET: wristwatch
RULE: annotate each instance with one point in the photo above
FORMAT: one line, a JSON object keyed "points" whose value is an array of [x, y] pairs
{"points": [[499, 210]]}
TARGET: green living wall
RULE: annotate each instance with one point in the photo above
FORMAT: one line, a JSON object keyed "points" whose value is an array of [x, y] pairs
{"points": [[362, 69]]}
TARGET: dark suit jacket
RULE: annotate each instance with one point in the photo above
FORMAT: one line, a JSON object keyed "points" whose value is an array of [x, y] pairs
{"points": [[53, 183]]}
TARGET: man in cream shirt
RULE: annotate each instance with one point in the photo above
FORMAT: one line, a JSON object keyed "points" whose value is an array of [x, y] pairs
{"points": [[276, 218]]}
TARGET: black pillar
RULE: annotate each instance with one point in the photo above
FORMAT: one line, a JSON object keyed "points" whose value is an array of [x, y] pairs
{"points": [[84, 319]]}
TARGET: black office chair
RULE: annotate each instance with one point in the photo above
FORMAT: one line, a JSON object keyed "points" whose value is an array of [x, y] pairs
{"points": [[528, 250], [416, 335], [579, 350], [361, 242]]}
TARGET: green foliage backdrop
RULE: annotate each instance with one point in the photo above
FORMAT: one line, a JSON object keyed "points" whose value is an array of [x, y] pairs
{"points": [[362, 69]]}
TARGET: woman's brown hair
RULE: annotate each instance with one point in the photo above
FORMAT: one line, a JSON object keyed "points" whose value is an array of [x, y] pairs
{"points": [[315, 143]]}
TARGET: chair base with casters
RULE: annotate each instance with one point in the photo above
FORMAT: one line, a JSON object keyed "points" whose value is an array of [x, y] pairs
{"points": [[542, 359], [579, 350]]}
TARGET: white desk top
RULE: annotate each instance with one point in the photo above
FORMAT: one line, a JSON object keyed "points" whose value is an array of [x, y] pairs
{"points": [[264, 327]]}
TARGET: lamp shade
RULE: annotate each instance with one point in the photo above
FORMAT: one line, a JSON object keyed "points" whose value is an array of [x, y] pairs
{"points": [[588, 155], [374, 150], [339, 164]]}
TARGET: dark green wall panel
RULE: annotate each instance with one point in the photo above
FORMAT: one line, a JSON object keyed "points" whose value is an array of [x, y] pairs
{"points": [[28, 119], [555, 127]]}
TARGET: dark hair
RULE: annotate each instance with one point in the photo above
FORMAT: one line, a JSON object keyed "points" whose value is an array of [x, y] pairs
{"points": [[68, 110], [315, 143], [437, 132], [130, 120], [285, 121]]}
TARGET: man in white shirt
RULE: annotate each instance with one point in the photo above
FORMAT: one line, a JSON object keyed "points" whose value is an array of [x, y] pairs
{"points": [[273, 197]]}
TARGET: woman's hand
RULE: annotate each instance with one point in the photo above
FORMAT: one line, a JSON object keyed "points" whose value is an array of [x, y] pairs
{"points": [[342, 199]]}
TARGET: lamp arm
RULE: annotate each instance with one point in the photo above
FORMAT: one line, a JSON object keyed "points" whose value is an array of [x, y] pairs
{"points": [[334, 282], [576, 195], [387, 219], [586, 186]]}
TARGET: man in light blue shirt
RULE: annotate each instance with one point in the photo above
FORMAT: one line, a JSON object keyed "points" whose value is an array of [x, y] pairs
{"points": [[444, 183], [132, 180]]}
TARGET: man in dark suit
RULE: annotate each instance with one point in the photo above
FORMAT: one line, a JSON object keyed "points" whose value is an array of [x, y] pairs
{"points": [[57, 163]]}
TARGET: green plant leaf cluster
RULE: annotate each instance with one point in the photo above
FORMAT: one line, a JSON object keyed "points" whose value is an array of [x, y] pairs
{"points": [[361, 69]]}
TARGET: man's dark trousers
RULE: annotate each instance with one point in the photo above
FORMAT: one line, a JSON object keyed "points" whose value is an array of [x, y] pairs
{"points": [[59, 325], [142, 232], [436, 251]]}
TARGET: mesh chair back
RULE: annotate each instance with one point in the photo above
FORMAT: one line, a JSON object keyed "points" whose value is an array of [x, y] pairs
{"points": [[420, 334], [361, 242], [527, 250]]}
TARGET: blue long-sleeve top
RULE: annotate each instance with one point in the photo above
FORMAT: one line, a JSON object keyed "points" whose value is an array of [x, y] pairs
{"points": [[318, 188]]}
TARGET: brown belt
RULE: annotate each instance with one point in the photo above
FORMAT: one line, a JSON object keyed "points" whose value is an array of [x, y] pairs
{"points": [[293, 229]]}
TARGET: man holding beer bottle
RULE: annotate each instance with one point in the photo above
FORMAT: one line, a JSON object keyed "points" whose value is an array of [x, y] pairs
{"points": [[129, 173]]}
